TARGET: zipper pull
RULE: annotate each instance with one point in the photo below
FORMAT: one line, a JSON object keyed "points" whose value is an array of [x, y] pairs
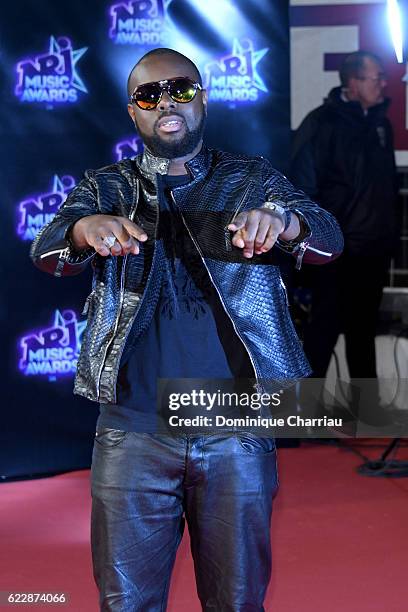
{"points": [[61, 262], [301, 252], [87, 302], [86, 306], [227, 239]]}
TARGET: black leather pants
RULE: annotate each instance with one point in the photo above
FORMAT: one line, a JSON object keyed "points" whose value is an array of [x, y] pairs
{"points": [[143, 485]]}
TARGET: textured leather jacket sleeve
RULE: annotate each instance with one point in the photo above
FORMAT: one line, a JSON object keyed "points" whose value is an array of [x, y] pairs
{"points": [[321, 239], [51, 250]]}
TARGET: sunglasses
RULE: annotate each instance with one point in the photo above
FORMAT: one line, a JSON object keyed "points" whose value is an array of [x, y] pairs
{"points": [[181, 90]]}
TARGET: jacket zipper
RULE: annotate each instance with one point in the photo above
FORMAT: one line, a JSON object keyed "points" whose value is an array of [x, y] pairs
{"points": [[87, 303], [218, 293], [52, 253], [121, 299], [63, 256], [318, 251], [303, 247], [300, 253], [61, 262], [122, 295], [63, 252], [227, 232]]}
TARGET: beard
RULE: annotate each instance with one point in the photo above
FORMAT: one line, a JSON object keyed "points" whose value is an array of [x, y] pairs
{"points": [[171, 150]]}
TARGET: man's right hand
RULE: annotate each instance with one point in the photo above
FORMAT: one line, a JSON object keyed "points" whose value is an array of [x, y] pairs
{"points": [[90, 231]]}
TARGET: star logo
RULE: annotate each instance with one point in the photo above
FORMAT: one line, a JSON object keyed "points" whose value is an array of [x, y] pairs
{"points": [[250, 58], [61, 321], [140, 22], [235, 78], [62, 185], [37, 210], [51, 77], [53, 351], [63, 44]]}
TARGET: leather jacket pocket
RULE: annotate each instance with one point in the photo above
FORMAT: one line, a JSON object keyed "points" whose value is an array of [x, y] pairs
{"points": [[109, 437], [255, 445]]}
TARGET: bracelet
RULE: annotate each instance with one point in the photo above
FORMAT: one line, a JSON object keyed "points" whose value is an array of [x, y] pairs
{"points": [[282, 213], [304, 232]]}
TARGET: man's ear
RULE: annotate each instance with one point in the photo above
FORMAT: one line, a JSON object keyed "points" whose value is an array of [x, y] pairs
{"points": [[204, 95], [352, 85], [131, 112]]}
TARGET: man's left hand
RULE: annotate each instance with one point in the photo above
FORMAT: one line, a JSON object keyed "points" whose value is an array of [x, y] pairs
{"points": [[256, 231]]}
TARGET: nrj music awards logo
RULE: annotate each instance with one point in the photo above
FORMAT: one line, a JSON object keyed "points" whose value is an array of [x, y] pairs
{"points": [[52, 351], [235, 77], [130, 147], [37, 210], [140, 22], [51, 77]]}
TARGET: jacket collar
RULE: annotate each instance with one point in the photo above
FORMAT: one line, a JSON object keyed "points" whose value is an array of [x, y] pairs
{"points": [[200, 164], [353, 109], [149, 165]]}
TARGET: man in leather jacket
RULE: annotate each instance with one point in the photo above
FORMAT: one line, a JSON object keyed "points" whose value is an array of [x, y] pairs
{"points": [[186, 285]]}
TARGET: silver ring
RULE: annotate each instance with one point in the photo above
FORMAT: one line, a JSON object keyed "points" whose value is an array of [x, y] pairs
{"points": [[109, 241]]}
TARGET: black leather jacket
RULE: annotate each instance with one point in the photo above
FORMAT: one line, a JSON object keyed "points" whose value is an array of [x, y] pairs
{"points": [[126, 289]]}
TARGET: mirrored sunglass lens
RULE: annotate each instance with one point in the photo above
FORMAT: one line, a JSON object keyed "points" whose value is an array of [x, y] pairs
{"points": [[182, 90], [146, 105], [147, 96]]}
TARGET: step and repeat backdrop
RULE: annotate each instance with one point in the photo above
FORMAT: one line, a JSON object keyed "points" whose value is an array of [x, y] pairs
{"points": [[64, 71]]}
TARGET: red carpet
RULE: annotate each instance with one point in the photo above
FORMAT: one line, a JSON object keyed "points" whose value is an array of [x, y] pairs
{"points": [[340, 540]]}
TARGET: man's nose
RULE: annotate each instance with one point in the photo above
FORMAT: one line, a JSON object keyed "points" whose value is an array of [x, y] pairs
{"points": [[166, 102]]}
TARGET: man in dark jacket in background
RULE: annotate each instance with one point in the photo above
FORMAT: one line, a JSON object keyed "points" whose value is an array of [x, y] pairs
{"points": [[343, 157]]}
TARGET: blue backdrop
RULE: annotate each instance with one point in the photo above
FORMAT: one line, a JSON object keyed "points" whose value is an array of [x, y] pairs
{"points": [[64, 71]]}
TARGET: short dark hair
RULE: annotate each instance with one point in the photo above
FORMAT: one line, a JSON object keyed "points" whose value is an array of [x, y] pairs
{"points": [[353, 65], [164, 51]]}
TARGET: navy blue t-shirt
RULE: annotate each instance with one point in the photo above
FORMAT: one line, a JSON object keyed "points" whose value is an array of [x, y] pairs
{"points": [[190, 336]]}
